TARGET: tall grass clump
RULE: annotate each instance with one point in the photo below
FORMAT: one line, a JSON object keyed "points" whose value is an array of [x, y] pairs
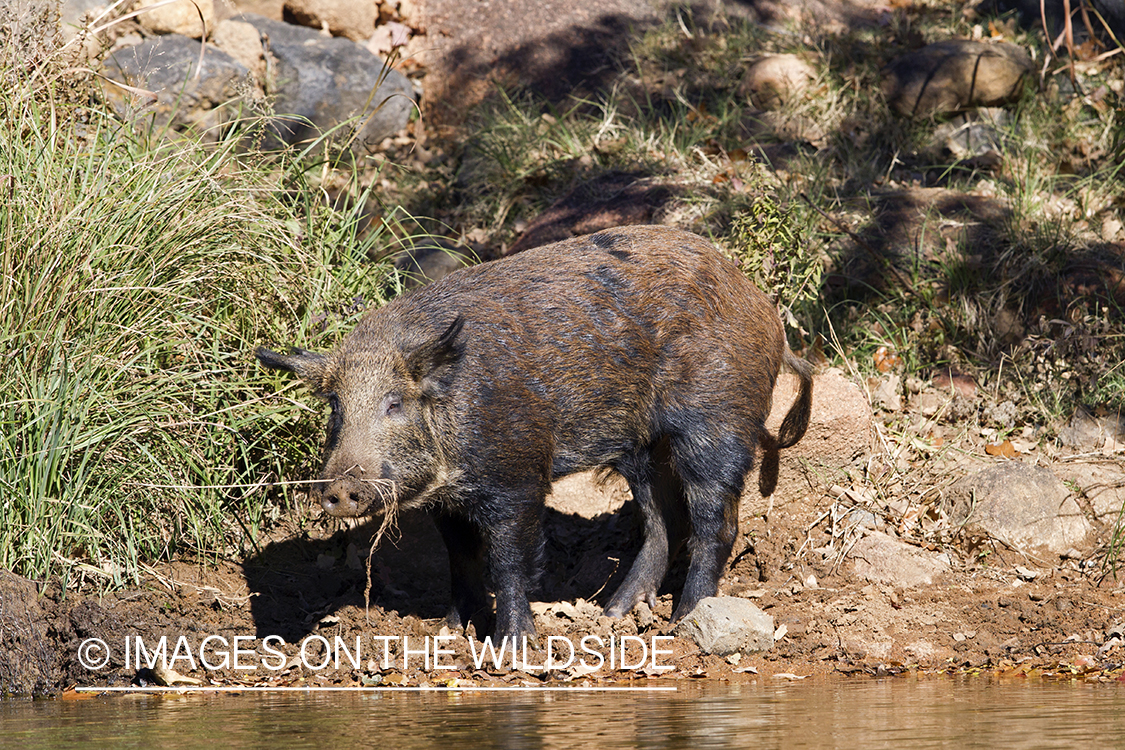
{"points": [[136, 276]]}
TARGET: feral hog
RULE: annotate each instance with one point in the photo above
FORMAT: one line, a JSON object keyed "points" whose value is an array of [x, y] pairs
{"points": [[640, 349]]}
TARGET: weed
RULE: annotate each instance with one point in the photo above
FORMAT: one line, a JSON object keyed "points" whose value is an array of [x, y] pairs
{"points": [[136, 275]]}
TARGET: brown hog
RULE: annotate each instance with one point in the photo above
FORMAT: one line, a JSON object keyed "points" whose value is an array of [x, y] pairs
{"points": [[640, 349]]}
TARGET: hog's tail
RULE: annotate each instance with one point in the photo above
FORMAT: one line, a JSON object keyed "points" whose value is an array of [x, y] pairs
{"points": [[797, 420], [792, 427]]}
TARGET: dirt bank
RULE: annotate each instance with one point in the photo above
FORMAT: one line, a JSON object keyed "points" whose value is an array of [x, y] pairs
{"points": [[310, 586]]}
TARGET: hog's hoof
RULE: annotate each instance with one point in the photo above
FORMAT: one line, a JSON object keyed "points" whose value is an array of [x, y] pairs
{"points": [[479, 623], [622, 603]]}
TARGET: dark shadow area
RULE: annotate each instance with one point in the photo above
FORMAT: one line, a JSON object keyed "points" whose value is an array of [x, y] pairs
{"points": [[1112, 11], [299, 581], [609, 200], [911, 228]]}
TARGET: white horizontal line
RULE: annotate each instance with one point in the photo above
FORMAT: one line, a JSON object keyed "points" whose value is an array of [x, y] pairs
{"points": [[404, 689]]}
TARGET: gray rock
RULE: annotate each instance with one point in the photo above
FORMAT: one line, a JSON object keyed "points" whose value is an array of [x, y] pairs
{"points": [[1089, 432], [974, 134], [1101, 481], [954, 75], [71, 13], [882, 559], [725, 625], [166, 65], [1024, 506], [320, 82]]}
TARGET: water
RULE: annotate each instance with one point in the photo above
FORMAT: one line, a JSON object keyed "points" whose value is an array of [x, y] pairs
{"points": [[848, 714]]}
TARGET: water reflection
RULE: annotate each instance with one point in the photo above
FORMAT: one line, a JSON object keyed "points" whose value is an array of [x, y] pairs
{"points": [[891, 713]]}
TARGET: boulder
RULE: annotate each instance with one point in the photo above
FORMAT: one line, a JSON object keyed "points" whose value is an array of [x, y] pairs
{"points": [[1023, 506], [724, 625], [954, 75], [884, 559], [352, 19], [320, 82], [191, 18], [839, 437], [166, 65]]}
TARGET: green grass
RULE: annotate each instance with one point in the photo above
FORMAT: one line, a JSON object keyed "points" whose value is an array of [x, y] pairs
{"points": [[136, 277]]}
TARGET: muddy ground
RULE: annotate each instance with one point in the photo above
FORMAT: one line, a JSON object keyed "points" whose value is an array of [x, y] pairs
{"points": [[1055, 619]]}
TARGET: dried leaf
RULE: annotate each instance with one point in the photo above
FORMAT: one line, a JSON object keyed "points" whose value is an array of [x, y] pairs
{"points": [[886, 360], [1004, 449]]}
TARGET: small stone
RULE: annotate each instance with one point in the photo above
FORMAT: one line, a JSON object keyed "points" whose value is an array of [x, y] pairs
{"points": [[643, 615], [725, 625], [179, 17], [241, 41], [878, 557], [773, 80], [346, 18]]}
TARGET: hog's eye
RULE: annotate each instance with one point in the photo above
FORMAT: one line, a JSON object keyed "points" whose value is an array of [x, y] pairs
{"points": [[392, 404]]}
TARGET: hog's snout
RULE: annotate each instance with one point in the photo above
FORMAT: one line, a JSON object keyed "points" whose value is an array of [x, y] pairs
{"points": [[344, 497], [350, 495]]}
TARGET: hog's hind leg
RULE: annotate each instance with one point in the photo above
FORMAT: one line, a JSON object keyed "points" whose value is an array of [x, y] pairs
{"points": [[658, 493], [713, 469]]}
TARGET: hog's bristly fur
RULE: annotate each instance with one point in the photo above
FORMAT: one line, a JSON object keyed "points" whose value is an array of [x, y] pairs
{"points": [[640, 349]]}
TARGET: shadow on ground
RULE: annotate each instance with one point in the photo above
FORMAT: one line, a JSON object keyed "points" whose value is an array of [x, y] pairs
{"points": [[298, 582]]}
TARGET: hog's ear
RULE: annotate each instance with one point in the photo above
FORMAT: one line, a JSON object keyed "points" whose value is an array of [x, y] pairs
{"points": [[431, 364], [308, 366]]}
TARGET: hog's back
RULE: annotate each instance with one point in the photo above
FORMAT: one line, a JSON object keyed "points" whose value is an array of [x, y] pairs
{"points": [[576, 352]]}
